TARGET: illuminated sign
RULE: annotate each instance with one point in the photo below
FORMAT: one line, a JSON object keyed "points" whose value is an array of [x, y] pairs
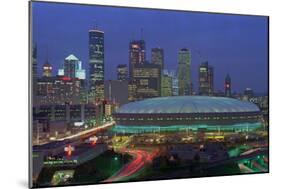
{"points": [[66, 78], [69, 149], [78, 124], [60, 162], [47, 68]]}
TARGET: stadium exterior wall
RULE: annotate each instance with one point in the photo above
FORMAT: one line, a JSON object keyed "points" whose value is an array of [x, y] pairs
{"points": [[187, 119]]}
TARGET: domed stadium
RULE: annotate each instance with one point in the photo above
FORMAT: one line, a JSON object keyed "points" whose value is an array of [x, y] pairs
{"points": [[187, 112]]}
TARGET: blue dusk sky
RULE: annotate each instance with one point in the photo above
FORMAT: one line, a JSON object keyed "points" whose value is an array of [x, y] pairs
{"points": [[232, 44]]}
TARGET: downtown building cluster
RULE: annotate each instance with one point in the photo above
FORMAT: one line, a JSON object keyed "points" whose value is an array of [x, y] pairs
{"points": [[67, 102], [77, 91], [148, 79], [142, 78]]}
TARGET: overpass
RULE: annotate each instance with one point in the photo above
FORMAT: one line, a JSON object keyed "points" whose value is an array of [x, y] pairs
{"points": [[251, 154]]}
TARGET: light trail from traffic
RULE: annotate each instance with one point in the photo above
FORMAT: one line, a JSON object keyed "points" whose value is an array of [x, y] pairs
{"points": [[87, 131], [141, 158]]}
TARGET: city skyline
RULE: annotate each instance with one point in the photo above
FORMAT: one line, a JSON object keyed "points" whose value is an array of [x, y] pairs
{"points": [[75, 41], [180, 99]]}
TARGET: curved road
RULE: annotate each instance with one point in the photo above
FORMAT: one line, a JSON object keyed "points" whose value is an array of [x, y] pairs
{"points": [[140, 159]]}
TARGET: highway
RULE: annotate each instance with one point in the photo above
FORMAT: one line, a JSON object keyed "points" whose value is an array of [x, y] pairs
{"points": [[250, 154], [106, 125], [140, 159], [77, 141]]}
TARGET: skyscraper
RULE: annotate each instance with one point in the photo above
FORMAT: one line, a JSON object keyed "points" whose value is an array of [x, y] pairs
{"points": [[147, 80], [122, 72], [175, 84], [73, 68], [206, 79], [157, 57], [47, 69], [248, 93], [132, 91], [70, 66], [96, 64], [227, 86], [166, 85], [184, 72], [136, 54]]}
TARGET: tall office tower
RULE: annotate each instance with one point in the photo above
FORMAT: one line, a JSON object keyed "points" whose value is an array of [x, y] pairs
{"points": [[122, 72], [184, 72], [206, 79], [249, 93], [166, 85], [136, 54], [70, 66], [147, 78], [132, 91], [47, 69], [227, 86], [211, 80], [96, 64], [34, 69], [175, 83], [157, 57]]}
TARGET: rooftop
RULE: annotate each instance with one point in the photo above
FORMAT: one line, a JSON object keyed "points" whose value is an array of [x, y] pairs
{"points": [[187, 104], [71, 57]]}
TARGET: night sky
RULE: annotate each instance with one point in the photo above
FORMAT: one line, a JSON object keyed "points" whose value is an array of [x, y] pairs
{"points": [[231, 43]]}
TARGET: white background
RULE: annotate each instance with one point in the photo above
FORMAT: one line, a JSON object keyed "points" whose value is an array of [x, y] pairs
{"points": [[14, 92]]}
